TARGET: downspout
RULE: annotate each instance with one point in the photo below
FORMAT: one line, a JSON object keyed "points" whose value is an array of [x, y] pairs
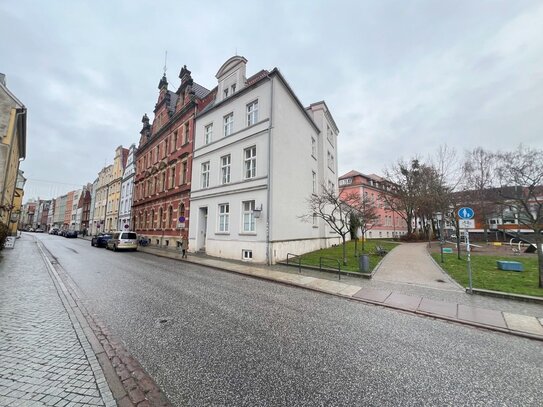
{"points": [[268, 189]]}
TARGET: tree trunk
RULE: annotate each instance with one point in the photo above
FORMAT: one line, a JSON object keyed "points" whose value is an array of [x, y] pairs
{"points": [[355, 245], [363, 232], [344, 250]]}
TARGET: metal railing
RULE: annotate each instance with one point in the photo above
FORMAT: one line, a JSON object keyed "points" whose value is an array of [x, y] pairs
{"points": [[293, 256], [332, 259]]}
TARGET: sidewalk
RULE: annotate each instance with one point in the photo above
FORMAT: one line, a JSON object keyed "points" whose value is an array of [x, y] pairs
{"points": [[502, 321], [45, 358]]}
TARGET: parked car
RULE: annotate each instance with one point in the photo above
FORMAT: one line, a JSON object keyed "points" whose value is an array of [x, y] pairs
{"points": [[62, 232], [100, 240], [71, 233], [53, 231], [123, 241], [39, 230]]}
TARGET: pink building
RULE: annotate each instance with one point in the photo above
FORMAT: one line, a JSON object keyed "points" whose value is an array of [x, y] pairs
{"points": [[390, 224]]}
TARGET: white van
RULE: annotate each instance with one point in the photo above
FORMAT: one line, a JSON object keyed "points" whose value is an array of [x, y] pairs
{"points": [[123, 240]]}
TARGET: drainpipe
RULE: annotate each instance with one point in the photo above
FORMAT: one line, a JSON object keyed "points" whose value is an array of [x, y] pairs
{"points": [[268, 190]]}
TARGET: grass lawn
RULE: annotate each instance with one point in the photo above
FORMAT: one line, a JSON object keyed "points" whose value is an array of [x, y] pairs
{"points": [[485, 273], [312, 259]]}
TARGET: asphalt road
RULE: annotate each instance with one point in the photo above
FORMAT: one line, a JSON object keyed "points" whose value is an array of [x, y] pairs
{"points": [[231, 340]]}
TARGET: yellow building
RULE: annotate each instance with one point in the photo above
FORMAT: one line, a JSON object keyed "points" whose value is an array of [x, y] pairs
{"points": [[17, 203], [12, 149], [114, 188], [98, 223]]}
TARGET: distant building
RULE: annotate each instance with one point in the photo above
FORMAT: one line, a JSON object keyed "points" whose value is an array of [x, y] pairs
{"points": [[127, 188], [389, 223], [12, 150], [100, 201], [114, 188], [259, 154]]}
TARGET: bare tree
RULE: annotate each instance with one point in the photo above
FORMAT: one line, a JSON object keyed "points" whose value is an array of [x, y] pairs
{"points": [[335, 211], [479, 176], [403, 197], [521, 178], [363, 217]]}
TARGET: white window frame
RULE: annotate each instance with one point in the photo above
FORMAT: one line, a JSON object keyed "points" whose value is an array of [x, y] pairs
{"points": [[249, 163], [248, 217], [314, 182], [252, 112], [208, 133], [226, 162], [205, 174], [228, 124], [223, 224]]}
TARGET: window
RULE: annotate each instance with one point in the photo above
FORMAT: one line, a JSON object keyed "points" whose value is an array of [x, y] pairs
{"points": [[163, 181], [313, 147], [225, 169], [181, 209], [314, 219], [160, 218], [331, 186], [252, 113], [248, 216], [174, 144], [224, 214], [170, 217], [330, 134], [330, 161], [314, 182], [208, 133], [184, 172], [205, 175], [250, 162], [228, 124], [247, 254], [172, 178], [233, 87], [186, 133], [225, 93]]}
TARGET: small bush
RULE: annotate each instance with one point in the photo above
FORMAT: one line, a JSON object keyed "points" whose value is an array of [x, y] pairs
{"points": [[410, 237], [4, 233]]}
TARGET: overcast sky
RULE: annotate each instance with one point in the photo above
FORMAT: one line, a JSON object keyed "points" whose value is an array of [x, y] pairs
{"points": [[400, 77]]}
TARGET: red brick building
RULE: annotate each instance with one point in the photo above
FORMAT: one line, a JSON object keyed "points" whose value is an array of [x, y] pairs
{"points": [[164, 162]]}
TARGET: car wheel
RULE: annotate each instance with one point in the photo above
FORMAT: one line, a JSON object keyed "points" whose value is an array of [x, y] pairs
{"points": [[92, 243], [114, 248]]}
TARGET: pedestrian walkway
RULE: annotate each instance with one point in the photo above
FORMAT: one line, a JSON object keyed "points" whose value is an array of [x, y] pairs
{"points": [[507, 322], [411, 264], [45, 358]]}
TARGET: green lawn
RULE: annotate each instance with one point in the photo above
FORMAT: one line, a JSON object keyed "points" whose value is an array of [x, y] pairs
{"points": [[333, 253], [485, 273]]}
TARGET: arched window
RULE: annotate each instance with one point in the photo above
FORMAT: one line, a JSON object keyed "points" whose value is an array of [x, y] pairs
{"points": [[170, 215], [152, 220], [145, 221], [181, 209]]}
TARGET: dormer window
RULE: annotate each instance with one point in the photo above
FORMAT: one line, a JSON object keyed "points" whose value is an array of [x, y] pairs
{"points": [[225, 93]]}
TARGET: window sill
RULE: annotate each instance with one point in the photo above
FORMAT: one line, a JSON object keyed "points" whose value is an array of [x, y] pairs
{"points": [[247, 233], [222, 233]]}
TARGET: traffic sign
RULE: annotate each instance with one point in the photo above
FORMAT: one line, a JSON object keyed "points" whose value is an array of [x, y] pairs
{"points": [[181, 219], [466, 224], [465, 213]]}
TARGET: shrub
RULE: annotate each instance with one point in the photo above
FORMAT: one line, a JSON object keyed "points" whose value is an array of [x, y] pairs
{"points": [[410, 237], [4, 233]]}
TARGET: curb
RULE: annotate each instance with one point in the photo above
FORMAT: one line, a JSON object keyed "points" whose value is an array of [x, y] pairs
{"points": [[508, 296]]}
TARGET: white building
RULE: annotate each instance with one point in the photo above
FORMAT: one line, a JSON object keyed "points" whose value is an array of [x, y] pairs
{"points": [[258, 156], [127, 188]]}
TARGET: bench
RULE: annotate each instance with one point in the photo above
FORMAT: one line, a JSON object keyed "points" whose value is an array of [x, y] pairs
{"points": [[381, 251]]}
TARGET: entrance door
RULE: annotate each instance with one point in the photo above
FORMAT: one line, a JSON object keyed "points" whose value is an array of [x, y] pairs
{"points": [[202, 229]]}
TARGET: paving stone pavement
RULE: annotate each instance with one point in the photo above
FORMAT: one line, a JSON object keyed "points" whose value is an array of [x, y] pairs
{"points": [[45, 358]]}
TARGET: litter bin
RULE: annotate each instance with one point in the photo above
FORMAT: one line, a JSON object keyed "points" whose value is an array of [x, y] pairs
{"points": [[364, 263]]}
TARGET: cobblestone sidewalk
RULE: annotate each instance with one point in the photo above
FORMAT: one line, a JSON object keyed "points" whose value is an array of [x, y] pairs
{"points": [[45, 358]]}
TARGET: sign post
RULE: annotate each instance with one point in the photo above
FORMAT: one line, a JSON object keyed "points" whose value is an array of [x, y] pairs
{"points": [[466, 221]]}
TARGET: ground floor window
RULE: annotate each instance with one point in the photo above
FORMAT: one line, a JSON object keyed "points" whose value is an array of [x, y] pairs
{"points": [[247, 254]]}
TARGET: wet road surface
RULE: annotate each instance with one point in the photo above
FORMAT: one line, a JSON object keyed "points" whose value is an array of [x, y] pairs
{"points": [[214, 338]]}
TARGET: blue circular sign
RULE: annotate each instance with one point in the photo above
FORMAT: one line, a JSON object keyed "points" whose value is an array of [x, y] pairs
{"points": [[465, 213], [181, 219]]}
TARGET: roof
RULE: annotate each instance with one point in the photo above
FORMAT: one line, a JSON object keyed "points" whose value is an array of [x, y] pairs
{"points": [[199, 90], [354, 173]]}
